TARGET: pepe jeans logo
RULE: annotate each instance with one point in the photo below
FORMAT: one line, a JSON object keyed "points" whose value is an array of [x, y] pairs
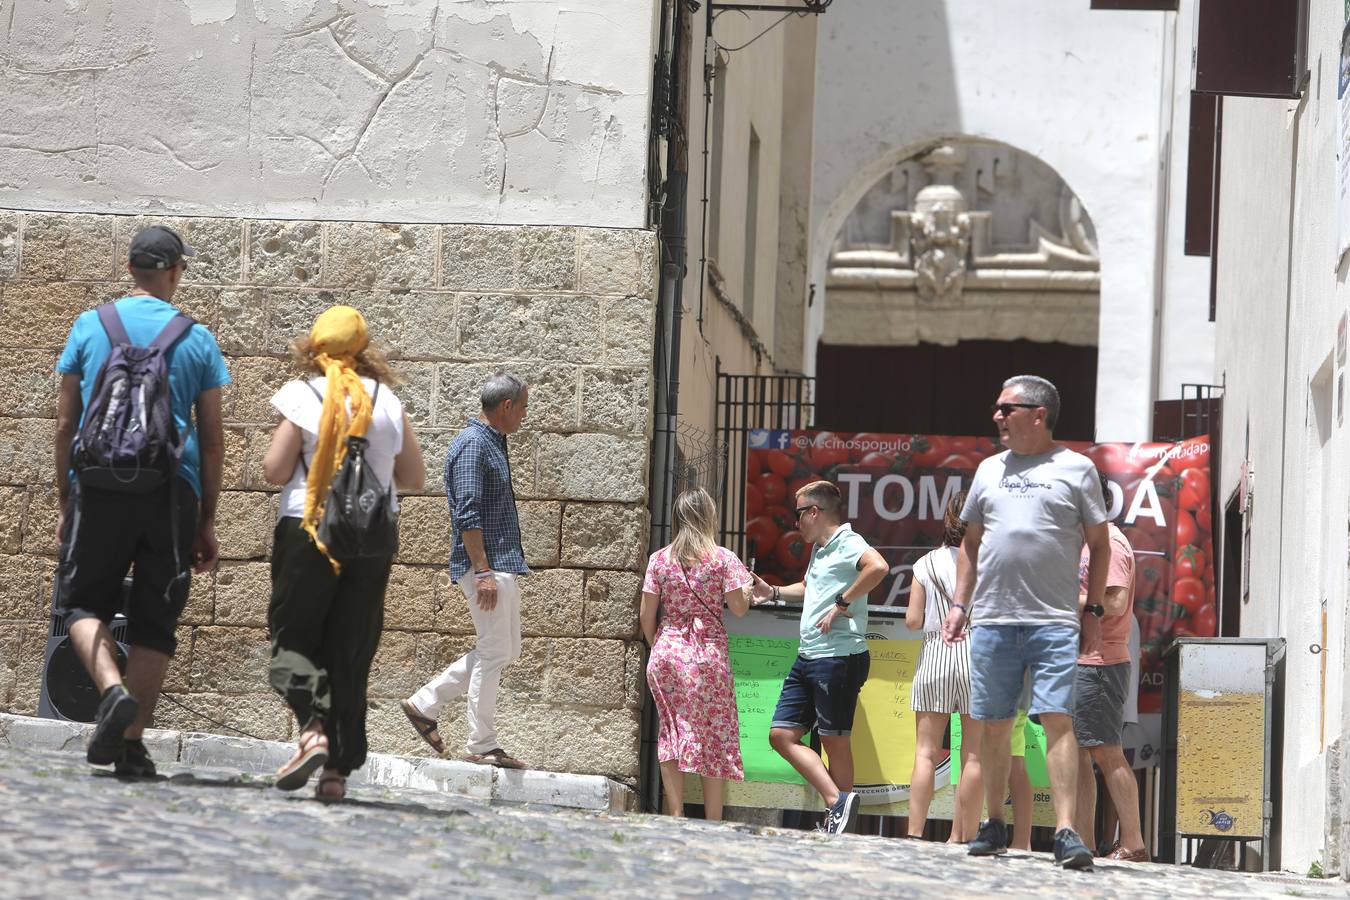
{"points": [[1021, 484], [1220, 820]]}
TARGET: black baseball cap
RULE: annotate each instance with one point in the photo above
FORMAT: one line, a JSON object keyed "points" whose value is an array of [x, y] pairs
{"points": [[158, 247]]}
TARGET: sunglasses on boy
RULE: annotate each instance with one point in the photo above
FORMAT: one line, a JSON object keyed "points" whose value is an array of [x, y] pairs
{"points": [[803, 510]]}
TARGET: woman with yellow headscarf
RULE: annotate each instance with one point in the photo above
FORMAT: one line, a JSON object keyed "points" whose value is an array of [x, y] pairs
{"points": [[324, 618]]}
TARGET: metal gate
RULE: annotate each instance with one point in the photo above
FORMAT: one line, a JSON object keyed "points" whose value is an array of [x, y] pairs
{"points": [[746, 402]]}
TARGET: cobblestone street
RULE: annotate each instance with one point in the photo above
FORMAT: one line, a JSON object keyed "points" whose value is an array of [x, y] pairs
{"points": [[66, 832]]}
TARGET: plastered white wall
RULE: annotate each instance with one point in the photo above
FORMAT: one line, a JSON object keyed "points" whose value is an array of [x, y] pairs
{"points": [[1076, 87], [530, 111], [1280, 296], [1185, 334]]}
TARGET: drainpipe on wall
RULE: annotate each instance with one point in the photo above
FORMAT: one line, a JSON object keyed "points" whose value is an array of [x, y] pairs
{"points": [[672, 232]]}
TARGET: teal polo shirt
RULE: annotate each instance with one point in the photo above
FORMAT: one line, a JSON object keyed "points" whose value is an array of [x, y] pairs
{"points": [[834, 566]]}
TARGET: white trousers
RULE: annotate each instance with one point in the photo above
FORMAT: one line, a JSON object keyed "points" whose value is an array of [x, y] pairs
{"points": [[478, 673]]}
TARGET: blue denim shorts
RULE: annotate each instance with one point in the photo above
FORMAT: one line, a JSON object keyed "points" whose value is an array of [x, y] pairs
{"points": [[822, 693], [1001, 654]]}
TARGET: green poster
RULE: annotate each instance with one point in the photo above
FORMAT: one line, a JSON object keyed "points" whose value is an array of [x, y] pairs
{"points": [[759, 665], [1035, 753]]}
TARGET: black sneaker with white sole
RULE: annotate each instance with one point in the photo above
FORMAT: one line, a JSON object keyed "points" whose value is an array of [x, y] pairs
{"points": [[842, 814], [135, 761], [1070, 851], [116, 710], [991, 840]]}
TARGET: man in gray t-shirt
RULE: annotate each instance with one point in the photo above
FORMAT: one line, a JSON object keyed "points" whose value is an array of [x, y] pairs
{"points": [[1028, 513]]}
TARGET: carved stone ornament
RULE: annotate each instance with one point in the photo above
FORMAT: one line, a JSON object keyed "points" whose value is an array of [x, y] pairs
{"points": [[940, 240]]}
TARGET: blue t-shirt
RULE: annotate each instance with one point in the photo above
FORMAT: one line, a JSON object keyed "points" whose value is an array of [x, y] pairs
{"points": [[195, 364]]}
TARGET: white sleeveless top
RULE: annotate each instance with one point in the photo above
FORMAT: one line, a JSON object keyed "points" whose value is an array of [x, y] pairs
{"points": [[941, 563], [297, 402]]}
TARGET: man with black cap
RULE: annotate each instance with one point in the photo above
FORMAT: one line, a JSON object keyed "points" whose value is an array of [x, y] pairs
{"points": [[138, 484]]}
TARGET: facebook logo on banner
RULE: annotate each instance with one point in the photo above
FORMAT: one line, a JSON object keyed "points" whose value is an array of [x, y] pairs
{"points": [[769, 439]]}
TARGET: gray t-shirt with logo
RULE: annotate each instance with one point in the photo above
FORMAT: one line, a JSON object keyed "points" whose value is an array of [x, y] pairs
{"points": [[1033, 509]]}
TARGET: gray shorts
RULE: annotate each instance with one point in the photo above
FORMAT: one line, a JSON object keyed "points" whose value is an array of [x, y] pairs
{"points": [[1099, 704]]}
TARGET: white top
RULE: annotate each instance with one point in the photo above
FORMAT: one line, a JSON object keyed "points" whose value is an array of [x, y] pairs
{"points": [[942, 563], [297, 402]]}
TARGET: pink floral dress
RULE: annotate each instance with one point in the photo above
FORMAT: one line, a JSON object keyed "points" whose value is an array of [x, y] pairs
{"points": [[689, 672]]}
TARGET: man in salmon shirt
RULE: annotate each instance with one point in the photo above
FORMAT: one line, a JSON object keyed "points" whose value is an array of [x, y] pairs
{"points": [[1102, 685]]}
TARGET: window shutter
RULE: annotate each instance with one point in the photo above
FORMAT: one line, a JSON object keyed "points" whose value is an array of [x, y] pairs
{"points": [[1202, 170], [1251, 48]]}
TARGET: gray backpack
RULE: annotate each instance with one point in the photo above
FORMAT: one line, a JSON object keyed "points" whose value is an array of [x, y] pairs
{"points": [[128, 441]]}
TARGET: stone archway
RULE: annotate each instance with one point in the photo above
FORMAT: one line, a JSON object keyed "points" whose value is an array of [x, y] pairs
{"points": [[964, 243]]}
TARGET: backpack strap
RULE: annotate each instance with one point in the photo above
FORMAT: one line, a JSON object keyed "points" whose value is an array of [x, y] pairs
{"points": [[171, 333], [316, 393], [112, 324]]}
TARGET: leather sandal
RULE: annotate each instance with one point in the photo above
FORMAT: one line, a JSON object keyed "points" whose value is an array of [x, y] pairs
{"points": [[1122, 855], [331, 788], [496, 757], [310, 757], [426, 727]]}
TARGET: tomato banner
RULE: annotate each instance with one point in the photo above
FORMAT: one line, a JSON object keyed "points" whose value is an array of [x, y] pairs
{"points": [[896, 488]]}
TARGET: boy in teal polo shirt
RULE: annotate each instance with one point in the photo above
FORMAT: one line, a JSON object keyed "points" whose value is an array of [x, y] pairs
{"points": [[821, 691]]}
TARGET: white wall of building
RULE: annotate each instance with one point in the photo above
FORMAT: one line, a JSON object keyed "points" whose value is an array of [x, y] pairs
{"points": [[1281, 294], [531, 112], [1185, 334], [1079, 88]]}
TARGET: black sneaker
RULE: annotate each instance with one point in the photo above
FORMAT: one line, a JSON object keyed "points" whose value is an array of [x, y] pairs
{"points": [[1070, 851], [116, 710], [991, 841], [841, 816], [135, 761]]}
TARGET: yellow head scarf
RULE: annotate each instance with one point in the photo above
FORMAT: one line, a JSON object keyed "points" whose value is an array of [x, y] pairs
{"points": [[338, 335]]}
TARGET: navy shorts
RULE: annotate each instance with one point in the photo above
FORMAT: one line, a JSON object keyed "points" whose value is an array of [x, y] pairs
{"points": [[822, 694]]}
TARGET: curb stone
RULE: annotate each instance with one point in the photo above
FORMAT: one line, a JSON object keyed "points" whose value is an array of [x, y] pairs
{"points": [[255, 757]]}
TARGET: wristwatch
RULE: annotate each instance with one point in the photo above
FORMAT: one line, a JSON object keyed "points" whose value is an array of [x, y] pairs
{"points": [[1096, 609], [839, 601]]}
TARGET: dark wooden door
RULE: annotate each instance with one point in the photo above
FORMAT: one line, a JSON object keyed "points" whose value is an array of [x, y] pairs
{"points": [[932, 389]]}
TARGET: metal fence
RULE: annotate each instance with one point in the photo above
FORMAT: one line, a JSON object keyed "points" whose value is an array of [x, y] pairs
{"points": [[744, 403]]}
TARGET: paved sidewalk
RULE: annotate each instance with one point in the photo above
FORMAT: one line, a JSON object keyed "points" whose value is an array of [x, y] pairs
{"points": [[209, 832], [262, 758]]}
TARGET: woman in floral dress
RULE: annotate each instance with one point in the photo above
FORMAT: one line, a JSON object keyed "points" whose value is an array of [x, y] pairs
{"points": [[689, 671]]}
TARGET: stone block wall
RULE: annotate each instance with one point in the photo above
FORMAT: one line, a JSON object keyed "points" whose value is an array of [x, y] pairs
{"points": [[569, 308]]}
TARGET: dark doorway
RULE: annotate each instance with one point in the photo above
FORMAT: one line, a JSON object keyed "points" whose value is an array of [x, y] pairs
{"points": [[932, 389], [1230, 582]]}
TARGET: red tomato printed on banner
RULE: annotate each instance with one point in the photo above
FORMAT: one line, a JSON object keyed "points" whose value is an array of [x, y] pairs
{"points": [[1204, 621], [754, 465], [927, 450], [793, 551], [827, 450], [867, 442], [1189, 593], [754, 501], [772, 488], [780, 463], [1186, 530], [763, 535]]}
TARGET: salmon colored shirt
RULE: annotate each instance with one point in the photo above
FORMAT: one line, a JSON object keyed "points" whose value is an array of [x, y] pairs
{"points": [[1115, 643]]}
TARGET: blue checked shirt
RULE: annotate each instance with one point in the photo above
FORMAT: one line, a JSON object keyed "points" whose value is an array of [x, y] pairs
{"points": [[478, 486]]}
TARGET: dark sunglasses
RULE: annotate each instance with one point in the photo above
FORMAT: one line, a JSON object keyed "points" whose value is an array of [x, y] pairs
{"points": [[1007, 408], [801, 510]]}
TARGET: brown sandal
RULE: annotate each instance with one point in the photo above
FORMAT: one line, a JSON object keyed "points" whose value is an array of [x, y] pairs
{"points": [[310, 757], [497, 757], [1123, 855], [331, 788], [426, 728]]}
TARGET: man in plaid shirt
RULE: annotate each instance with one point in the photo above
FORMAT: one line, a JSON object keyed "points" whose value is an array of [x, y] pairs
{"points": [[486, 559]]}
